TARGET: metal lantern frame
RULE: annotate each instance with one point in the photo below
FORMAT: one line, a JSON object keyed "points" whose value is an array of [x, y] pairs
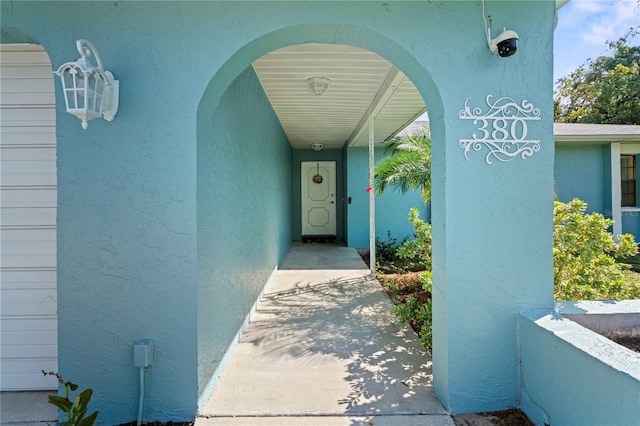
{"points": [[89, 91]]}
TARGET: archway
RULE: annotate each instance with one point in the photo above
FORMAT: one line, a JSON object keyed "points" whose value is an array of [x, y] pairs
{"points": [[228, 169]]}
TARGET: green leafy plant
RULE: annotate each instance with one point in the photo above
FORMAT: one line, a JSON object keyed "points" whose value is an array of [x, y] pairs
{"points": [[76, 410], [419, 315], [386, 250], [584, 256], [392, 288], [417, 250], [633, 261], [414, 312]]}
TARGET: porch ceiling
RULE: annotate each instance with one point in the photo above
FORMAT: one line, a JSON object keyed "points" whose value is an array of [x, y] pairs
{"points": [[363, 85]]}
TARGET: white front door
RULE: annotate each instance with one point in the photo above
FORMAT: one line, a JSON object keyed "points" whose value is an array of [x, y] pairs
{"points": [[318, 198]]}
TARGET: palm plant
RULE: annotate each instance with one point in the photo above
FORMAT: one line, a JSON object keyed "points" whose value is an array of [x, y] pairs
{"points": [[407, 165]]}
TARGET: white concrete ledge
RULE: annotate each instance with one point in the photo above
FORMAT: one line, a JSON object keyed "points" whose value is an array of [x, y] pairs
{"points": [[611, 318], [599, 307]]}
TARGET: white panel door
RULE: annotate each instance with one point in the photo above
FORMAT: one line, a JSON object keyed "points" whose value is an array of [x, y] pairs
{"points": [[318, 198], [28, 296]]}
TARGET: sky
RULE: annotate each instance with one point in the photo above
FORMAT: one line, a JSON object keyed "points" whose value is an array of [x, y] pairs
{"points": [[585, 26], [583, 30]]}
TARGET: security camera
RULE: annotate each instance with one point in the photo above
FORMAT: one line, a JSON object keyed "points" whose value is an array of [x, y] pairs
{"points": [[505, 44]]}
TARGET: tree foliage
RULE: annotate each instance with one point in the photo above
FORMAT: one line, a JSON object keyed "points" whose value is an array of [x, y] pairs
{"points": [[408, 165], [605, 90], [584, 252]]}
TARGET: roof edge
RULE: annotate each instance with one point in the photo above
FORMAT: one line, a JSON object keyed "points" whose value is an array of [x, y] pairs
{"points": [[596, 139]]}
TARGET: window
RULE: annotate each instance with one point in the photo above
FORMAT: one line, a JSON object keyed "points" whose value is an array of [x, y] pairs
{"points": [[628, 180]]}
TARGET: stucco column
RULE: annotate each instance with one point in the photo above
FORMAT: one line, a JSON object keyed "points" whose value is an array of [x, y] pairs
{"points": [[492, 229]]}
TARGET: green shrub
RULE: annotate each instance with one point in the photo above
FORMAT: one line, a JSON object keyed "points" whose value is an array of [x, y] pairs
{"points": [[584, 255], [419, 315], [632, 261], [386, 250], [418, 250]]}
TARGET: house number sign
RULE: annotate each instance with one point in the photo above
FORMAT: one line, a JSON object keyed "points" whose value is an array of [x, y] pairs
{"points": [[502, 129]]}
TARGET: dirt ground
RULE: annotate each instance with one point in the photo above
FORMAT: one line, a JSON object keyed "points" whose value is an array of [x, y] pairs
{"points": [[511, 417], [631, 342]]}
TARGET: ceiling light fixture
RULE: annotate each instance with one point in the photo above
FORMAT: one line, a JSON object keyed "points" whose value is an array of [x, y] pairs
{"points": [[318, 85], [316, 146]]}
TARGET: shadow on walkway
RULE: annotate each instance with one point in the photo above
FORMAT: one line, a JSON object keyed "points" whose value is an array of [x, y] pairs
{"points": [[325, 343]]}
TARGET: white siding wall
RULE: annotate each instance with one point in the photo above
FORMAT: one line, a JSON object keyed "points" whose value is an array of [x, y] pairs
{"points": [[28, 321]]}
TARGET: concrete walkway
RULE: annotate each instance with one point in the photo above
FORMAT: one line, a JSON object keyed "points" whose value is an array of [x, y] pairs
{"points": [[28, 408], [325, 348]]}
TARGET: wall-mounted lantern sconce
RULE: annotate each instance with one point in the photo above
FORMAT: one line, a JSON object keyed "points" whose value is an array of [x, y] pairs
{"points": [[89, 91]]}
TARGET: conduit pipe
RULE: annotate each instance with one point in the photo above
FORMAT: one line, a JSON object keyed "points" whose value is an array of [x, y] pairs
{"points": [[141, 398], [142, 358]]}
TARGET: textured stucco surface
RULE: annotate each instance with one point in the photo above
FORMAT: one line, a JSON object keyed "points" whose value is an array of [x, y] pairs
{"points": [[579, 172], [574, 376], [631, 223], [584, 172], [128, 234], [244, 213], [492, 226], [392, 209]]}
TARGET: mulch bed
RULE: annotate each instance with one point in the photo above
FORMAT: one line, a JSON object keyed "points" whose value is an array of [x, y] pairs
{"points": [[512, 417], [631, 342]]}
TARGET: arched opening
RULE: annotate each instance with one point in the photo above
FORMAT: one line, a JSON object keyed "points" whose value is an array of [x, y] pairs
{"points": [[246, 182]]}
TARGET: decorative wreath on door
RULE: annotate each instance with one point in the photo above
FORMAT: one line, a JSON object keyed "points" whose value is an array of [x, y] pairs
{"points": [[317, 178]]}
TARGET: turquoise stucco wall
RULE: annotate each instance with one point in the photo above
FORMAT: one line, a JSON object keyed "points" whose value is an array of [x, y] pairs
{"points": [[128, 234], [392, 208], [584, 172], [243, 216], [579, 172], [631, 223], [300, 155], [573, 376]]}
